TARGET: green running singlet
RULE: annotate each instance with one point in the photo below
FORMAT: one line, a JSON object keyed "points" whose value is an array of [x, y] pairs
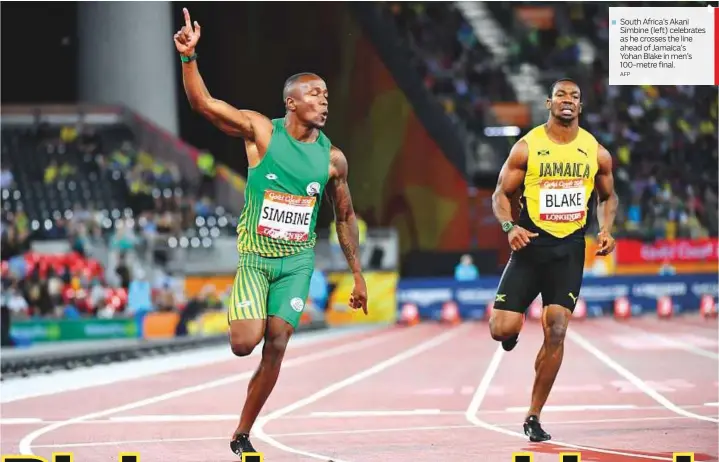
{"points": [[276, 230]]}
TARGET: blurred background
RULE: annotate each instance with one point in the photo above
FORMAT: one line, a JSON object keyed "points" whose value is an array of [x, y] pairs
{"points": [[119, 204]]}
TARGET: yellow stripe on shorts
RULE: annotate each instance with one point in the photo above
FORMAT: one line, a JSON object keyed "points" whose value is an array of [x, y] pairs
{"points": [[249, 295]]}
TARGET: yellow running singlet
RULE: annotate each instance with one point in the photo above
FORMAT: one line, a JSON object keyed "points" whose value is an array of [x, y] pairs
{"points": [[559, 184]]}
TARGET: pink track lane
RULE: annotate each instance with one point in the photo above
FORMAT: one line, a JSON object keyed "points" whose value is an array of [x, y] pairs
{"points": [[701, 335], [425, 382], [695, 320], [442, 378], [66, 405], [685, 378], [208, 440], [585, 381]]}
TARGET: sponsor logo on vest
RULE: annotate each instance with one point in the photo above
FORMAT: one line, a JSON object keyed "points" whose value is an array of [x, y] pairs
{"points": [[313, 188]]}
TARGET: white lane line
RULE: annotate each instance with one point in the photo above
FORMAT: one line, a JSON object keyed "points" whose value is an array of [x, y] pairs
{"points": [[329, 415], [343, 432], [671, 342], [375, 369], [633, 379], [577, 408], [173, 418], [25, 446], [15, 389], [20, 421], [601, 421], [90, 444], [389, 413], [212, 438], [481, 392]]}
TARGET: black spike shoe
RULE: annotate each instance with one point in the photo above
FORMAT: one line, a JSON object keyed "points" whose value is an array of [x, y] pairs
{"points": [[533, 429], [510, 343], [241, 444]]}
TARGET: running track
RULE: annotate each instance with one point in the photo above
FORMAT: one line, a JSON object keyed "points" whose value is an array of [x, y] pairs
{"points": [[629, 391]]}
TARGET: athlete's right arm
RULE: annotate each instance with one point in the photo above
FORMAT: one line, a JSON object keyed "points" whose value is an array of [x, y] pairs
{"points": [[232, 121], [511, 177]]}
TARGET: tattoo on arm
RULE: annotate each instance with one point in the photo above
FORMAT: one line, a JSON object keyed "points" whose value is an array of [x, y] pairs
{"points": [[345, 219]]}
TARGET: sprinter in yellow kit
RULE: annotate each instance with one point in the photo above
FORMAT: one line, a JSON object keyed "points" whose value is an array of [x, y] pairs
{"points": [[562, 171]]}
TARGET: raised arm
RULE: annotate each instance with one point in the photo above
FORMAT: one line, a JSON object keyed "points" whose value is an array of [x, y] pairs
{"points": [[232, 121], [608, 201], [511, 177], [346, 224]]}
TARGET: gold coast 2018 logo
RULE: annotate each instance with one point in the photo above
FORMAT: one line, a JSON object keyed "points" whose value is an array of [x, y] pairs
{"points": [[577, 457], [122, 457]]}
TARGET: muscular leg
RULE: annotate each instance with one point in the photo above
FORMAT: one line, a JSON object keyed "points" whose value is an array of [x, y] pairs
{"points": [[277, 337], [555, 320], [561, 282], [247, 315], [517, 288], [503, 325], [245, 334]]}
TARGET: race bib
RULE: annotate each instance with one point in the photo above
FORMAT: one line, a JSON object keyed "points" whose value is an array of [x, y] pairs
{"points": [[286, 216], [562, 200]]}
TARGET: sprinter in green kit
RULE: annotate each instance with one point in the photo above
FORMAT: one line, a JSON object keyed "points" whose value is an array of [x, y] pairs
{"points": [[291, 164]]}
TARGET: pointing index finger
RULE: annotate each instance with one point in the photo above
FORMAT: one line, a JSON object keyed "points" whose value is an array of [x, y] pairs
{"points": [[188, 22]]}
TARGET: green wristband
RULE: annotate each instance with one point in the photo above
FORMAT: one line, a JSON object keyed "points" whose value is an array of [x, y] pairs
{"points": [[187, 59]]}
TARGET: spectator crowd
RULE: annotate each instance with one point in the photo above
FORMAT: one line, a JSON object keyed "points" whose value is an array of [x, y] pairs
{"points": [[663, 138], [116, 206], [111, 205]]}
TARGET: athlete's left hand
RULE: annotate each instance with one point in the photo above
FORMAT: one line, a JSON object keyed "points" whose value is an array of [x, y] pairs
{"points": [[358, 298], [606, 243]]}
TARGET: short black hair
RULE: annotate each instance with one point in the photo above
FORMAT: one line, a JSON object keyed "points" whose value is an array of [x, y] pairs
{"points": [[291, 80], [556, 82]]}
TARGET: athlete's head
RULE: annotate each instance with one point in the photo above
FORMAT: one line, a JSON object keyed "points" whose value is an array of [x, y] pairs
{"points": [[305, 95], [565, 101]]}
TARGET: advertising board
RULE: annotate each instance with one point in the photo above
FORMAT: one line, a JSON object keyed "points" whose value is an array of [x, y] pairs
{"points": [[381, 290], [642, 292], [54, 330]]}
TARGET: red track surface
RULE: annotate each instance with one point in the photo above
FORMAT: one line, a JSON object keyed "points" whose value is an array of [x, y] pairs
{"points": [[320, 405]]}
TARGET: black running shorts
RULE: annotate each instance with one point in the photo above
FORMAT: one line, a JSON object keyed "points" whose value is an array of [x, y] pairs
{"points": [[554, 271]]}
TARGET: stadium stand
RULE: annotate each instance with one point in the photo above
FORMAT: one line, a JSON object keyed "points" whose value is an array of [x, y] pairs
{"points": [[663, 139], [116, 207], [461, 72]]}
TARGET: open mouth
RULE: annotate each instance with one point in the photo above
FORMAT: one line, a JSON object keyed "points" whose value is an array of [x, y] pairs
{"points": [[567, 110]]}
